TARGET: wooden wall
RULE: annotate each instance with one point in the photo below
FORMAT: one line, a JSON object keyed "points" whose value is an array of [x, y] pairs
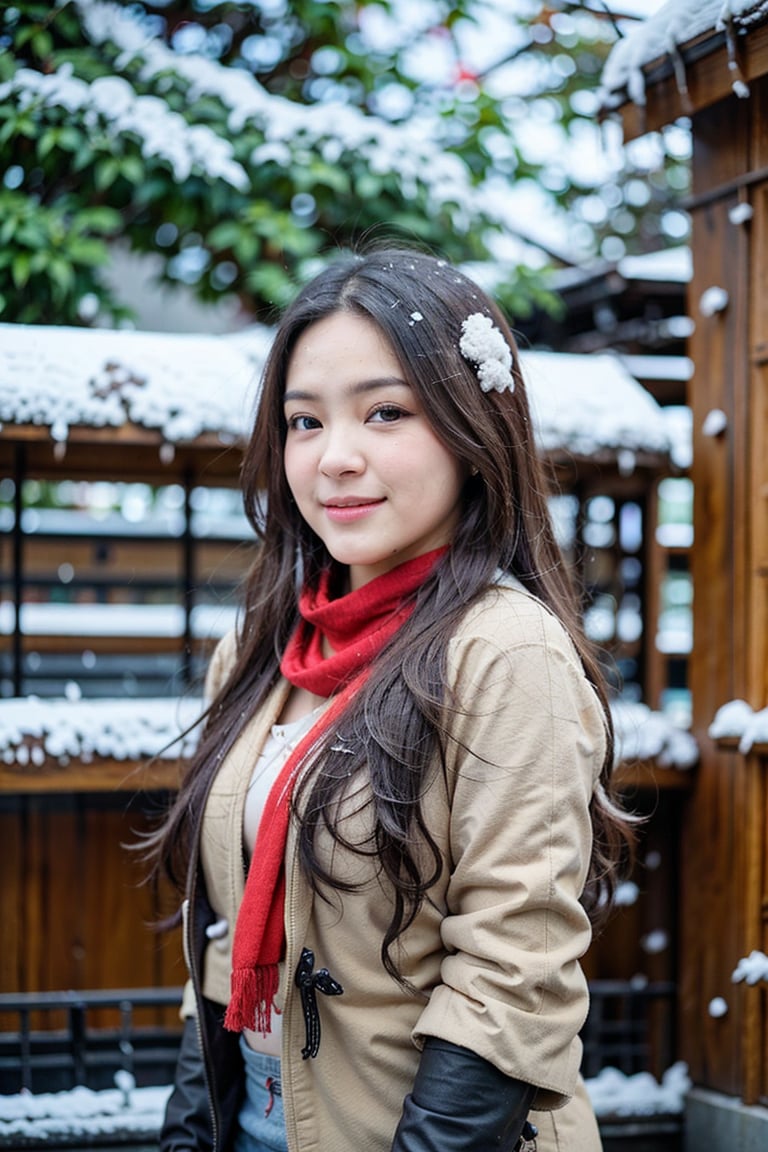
{"points": [[74, 911], [724, 905]]}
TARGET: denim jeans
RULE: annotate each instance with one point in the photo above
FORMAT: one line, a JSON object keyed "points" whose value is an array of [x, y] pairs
{"points": [[261, 1121]]}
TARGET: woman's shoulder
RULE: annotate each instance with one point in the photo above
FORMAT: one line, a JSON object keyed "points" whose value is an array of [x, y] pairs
{"points": [[221, 663], [512, 664], [508, 616]]}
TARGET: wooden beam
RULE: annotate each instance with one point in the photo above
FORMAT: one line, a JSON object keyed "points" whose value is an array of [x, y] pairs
{"points": [[100, 775], [708, 77], [129, 451], [108, 775], [647, 775]]}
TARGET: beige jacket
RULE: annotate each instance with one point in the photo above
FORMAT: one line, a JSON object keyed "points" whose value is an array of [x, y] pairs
{"points": [[494, 954]]}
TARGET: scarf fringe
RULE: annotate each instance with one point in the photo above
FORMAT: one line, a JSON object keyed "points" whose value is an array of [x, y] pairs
{"points": [[250, 1004]]}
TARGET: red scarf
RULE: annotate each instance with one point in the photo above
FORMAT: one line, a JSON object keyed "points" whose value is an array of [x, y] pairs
{"points": [[357, 626]]}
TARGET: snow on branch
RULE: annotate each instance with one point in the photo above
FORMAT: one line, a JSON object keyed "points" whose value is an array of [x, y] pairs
{"points": [[111, 103], [412, 151]]}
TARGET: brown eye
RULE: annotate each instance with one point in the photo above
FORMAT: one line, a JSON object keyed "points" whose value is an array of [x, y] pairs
{"points": [[387, 414], [303, 423]]}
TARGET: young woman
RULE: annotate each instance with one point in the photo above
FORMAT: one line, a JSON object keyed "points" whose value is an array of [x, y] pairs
{"points": [[398, 819]]}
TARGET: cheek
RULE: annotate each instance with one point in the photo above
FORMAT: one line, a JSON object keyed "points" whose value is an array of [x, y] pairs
{"points": [[292, 467], [443, 472]]}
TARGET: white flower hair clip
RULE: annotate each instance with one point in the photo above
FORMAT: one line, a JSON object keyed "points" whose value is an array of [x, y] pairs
{"points": [[483, 344]]}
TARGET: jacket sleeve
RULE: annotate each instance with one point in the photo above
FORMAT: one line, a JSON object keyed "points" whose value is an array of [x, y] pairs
{"points": [[526, 739], [489, 1112], [220, 665], [187, 1123]]}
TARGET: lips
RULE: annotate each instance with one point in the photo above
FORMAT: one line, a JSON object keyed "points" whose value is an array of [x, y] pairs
{"points": [[346, 508]]}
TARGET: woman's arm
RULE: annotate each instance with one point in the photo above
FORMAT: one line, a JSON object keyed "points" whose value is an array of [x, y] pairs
{"points": [[525, 742], [461, 1103]]}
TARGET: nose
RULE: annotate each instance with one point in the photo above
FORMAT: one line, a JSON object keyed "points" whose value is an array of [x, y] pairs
{"points": [[340, 455]]}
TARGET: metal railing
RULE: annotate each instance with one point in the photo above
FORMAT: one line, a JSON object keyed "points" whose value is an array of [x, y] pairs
{"points": [[630, 1026], [81, 1053]]}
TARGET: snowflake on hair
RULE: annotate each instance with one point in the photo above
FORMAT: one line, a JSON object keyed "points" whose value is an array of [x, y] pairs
{"points": [[483, 344]]}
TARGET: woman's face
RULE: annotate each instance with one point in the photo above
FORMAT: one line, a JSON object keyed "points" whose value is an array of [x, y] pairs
{"points": [[366, 470]]}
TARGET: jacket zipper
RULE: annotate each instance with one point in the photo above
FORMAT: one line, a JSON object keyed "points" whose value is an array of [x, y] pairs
{"points": [[285, 1070], [194, 973]]}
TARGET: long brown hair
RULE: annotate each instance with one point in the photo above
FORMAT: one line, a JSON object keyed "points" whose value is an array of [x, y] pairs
{"points": [[395, 725]]}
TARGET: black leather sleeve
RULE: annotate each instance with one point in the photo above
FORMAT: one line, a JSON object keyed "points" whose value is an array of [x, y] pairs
{"points": [[461, 1103], [187, 1124]]}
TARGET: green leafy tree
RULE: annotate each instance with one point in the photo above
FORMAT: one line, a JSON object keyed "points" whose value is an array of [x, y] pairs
{"points": [[241, 141]]}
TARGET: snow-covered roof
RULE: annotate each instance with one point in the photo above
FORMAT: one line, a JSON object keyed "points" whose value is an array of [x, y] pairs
{"points": [[666, 264], [676, 24], [180, 385], [646, 367], [588, 403], [33, 730], [183, 386]]}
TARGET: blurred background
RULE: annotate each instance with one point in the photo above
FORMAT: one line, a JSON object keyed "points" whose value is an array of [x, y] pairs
{"points": [[170, 173]]}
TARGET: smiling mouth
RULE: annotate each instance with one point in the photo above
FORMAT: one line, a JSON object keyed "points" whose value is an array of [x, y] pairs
{"points": [[351, 509]]}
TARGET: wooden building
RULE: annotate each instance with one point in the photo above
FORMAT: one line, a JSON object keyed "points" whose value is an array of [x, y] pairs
{"points": [[717, 75]]}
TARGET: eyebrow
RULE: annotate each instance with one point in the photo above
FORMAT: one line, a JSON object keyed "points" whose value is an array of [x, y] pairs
{"points": [[356, 389]]}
